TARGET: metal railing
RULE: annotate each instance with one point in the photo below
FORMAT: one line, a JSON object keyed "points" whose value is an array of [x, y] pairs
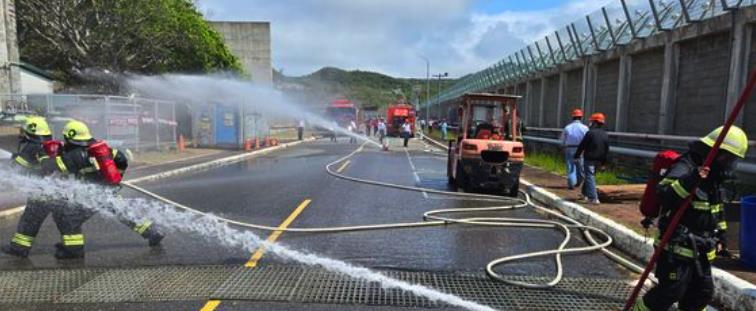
{"points": [[125, 122], [616, 24]]}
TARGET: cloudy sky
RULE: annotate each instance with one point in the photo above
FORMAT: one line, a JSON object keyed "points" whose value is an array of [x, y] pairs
{"points": [[390, 36]]}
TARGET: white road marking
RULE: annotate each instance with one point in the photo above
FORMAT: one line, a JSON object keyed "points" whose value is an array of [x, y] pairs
{"points": [[414, 171]]}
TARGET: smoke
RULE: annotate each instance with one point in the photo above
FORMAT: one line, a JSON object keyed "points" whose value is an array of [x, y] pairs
{"points": [[108, 204], [199, 90]]}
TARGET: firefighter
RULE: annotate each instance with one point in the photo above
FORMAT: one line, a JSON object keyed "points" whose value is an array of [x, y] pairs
{"points": [[31, 151], [684, 267], [75, 160]]}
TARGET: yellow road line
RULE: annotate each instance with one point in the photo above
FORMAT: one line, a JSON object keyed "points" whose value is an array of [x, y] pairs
{"points": [[274, 236], [211, 305], [342, 167]]}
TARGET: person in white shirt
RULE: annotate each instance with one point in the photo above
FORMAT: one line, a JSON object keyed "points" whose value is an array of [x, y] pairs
{"points": [[381, 130], [406, 132], [572, 135]]}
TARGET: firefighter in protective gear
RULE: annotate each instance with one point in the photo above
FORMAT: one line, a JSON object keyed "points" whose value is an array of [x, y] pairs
{"points": [[76, 161], [684, 267], [34, 132]]}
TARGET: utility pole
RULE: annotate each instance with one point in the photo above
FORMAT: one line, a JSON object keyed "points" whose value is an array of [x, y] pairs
{"points": [[427, 87], [438, 96]]}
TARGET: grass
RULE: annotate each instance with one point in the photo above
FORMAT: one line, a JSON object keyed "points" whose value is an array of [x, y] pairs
{"points": [[451, 135], [556, 164]]}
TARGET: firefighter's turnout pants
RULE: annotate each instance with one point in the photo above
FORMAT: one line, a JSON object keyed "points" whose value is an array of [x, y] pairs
{"points": [[37, 209], [682, 279]]}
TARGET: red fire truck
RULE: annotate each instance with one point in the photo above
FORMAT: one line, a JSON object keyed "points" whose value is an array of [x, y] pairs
{"points": [[396, 115]]}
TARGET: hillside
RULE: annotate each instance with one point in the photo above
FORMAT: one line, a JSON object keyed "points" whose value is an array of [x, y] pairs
{"points": [[364, 87]]}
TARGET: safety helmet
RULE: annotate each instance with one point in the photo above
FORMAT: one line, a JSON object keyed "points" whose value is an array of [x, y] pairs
{"points": [[577, 113], [736, 141], [36, 125], [598, 117], [76, 132]]}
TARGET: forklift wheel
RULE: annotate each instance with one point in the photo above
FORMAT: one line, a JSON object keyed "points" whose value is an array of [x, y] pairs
{"points": [[514, 190]]}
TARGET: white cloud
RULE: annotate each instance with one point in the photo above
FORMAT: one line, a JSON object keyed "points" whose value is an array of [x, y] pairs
{"points": [[388, 35]]}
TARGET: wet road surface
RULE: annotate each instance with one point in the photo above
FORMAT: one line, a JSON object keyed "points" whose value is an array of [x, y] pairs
{"points": [[269, 189]]}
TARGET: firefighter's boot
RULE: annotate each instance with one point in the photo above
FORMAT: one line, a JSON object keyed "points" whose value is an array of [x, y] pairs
{"points": [[64, 252], [149, 233], [16, 250]]}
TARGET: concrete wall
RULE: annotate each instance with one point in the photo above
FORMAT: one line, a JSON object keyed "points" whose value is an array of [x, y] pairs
{"points": [[33, 84], [534, 102], [250, 42], [605, 98], [645, 91], [704, 64], [573, 87], [551, 101]]}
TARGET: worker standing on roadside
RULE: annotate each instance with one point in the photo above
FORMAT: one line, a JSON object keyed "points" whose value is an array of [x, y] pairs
{"points": [[684, 266], [300, 129], [34, 142], [572, 135], [595, 145], [368, 126], [352, 128], [381, 130], [77, 159], [406, 132]]}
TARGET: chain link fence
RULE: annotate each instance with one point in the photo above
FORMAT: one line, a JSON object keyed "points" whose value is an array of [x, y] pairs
{"points": [[135, 123]]}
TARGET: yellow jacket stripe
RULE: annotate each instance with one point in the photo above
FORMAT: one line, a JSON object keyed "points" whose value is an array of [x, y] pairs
{"points": [[679, 189], [21, 161], [61, 166]]}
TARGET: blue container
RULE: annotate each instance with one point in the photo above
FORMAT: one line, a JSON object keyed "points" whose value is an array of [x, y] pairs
{"points": [[748, 231]]}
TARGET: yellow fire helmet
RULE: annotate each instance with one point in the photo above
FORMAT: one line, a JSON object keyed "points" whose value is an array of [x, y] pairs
{"points": [[36, 125], [736, 141], [76, 131]]}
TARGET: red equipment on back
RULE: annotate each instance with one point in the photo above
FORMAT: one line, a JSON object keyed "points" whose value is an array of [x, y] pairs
{"points": [[649, 205], [101, 152], [52, 147]]}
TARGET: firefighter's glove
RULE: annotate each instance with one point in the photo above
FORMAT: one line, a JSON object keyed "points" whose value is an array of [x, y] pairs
{"points": [[703, 171]]}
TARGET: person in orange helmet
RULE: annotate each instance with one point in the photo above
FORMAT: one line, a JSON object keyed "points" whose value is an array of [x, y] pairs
{"points": [[595, 150], [572, 135]]}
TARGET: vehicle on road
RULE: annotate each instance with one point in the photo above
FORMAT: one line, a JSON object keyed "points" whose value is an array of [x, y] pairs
{"points": [[341, 111], [396, 115], [486, 153]]}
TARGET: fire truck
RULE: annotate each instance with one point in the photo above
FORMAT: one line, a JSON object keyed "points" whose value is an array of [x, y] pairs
{"points": [[396, 115]]}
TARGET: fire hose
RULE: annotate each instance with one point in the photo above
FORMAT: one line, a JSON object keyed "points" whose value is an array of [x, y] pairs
{"points": [[744, 96], [444, 217]]}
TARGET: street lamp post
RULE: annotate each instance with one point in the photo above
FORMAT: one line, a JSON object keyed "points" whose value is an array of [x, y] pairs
{"points": [[438, 96], [427, 87]]}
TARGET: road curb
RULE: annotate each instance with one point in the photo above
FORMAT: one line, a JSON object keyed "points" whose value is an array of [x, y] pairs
{"points": [[215, 163], [731, 291]]}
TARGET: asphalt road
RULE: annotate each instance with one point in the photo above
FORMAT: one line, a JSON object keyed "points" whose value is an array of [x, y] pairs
{"points": [[268, 189]]}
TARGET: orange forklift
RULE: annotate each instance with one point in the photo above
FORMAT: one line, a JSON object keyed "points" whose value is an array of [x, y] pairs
{"points": [[488, 152]]}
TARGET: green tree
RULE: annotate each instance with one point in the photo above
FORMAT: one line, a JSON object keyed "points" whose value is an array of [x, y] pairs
{"points": [[137, 36]]}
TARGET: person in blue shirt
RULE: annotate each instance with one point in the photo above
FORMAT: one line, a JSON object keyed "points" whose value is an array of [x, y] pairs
{"points": [[572, 135]]}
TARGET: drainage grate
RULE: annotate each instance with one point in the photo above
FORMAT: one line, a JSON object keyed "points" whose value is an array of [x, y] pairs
{"points": [[311, 285], [41, 285], [296, 284]]}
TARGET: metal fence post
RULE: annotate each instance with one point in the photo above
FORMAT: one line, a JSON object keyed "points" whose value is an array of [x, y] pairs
{"points": [[629, 19], [609, 26]]}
